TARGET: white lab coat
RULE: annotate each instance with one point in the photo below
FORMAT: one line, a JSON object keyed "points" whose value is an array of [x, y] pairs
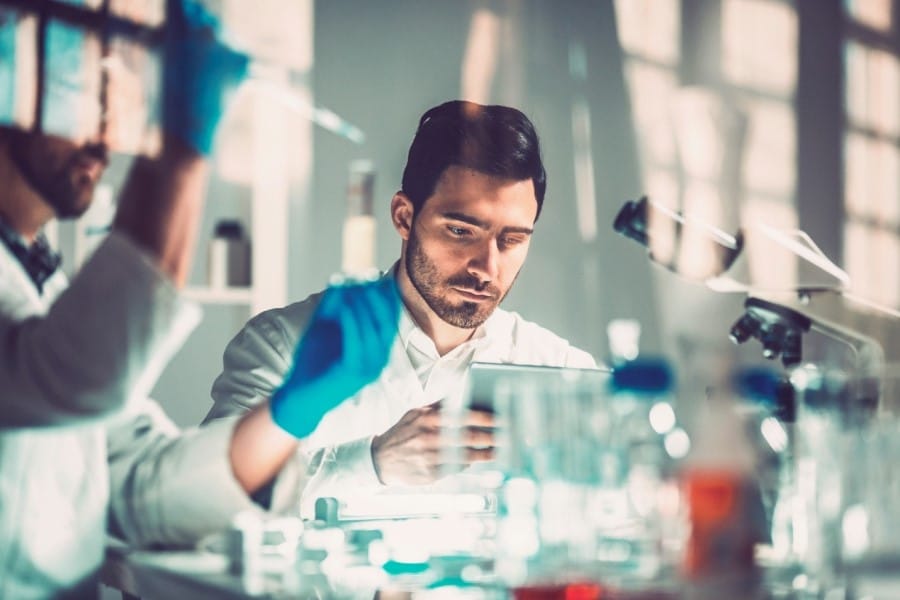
{"points": [[81, 445], [339, 450]]}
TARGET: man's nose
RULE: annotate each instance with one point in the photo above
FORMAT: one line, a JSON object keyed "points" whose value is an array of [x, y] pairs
{"points": [[485, 263]]}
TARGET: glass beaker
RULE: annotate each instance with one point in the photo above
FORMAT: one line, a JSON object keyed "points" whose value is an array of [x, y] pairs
{"points": [[848, 482], [870, 508], [547, 451]]}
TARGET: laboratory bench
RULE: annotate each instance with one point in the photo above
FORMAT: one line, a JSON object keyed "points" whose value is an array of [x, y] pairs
{"points": [[206, 575]]}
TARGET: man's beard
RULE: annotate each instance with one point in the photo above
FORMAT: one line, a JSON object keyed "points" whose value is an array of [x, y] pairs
{"points": [[67, 197], [424, 276]]}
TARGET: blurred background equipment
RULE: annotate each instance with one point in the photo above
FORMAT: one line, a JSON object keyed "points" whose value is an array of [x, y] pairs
{"points": [[358, 250], [229, 256]]}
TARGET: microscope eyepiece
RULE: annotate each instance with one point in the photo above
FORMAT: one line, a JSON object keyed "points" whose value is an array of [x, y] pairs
{"points": [[632, 221], [691, 236], [745, 328]]}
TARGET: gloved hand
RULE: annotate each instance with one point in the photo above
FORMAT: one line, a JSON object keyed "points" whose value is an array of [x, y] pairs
{"points": [[345, 347], [199, 70]]}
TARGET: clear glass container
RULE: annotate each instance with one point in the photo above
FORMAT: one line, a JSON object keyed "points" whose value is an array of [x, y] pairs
{"points": [[848, 434], [547, 448]]}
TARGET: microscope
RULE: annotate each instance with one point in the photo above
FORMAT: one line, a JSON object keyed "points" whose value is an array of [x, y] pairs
{"points": [[781, 313]]}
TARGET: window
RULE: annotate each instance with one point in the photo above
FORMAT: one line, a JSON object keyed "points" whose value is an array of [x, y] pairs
{"points": [[724, 149], [872, 150], [76, 67]]}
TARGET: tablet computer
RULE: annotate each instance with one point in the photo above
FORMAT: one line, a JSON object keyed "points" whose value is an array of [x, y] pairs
{"points": [[488, 380]]}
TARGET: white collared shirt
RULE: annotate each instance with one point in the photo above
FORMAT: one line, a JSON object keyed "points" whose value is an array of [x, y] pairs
{"points": [[424, 357], [82, 448], [258, 358]]}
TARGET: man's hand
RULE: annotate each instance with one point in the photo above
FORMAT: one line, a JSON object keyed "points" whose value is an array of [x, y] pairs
{"points": [[200, 69], [345, 347], [415, 449], [162, 200]]}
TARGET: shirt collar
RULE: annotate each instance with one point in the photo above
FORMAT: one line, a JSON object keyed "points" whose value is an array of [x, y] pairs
{"points": [[10, 235], [38, 259], [407, 327]]}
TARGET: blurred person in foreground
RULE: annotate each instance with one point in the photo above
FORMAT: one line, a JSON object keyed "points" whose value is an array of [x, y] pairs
{"points": [[82, 449], [472, 190]]}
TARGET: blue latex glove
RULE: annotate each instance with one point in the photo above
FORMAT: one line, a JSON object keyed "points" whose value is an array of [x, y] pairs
{"points": [[199, 70], [345, 347]]}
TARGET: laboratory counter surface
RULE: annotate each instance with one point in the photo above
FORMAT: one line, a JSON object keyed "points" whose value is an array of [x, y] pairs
{"points": [[204, 575], [170, 574], [201, 575]]}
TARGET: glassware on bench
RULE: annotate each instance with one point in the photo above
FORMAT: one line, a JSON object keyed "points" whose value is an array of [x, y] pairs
{"points": [[848, 437]]}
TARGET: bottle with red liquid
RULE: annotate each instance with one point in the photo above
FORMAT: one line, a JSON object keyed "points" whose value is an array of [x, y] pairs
{"points": [[724, 507], [561, 591]]}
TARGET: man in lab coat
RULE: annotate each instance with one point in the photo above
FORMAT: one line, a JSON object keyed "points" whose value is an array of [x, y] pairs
{"points": [[82, 448], [472, 191]]}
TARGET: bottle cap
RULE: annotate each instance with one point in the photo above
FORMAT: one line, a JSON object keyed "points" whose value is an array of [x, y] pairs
{"points": [[643, 376], [230, 229], [766, 387]]}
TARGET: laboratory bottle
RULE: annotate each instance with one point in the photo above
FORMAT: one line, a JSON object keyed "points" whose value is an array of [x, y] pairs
{"points": [[638, 467], [767, 404], [358, 246], [724, 509], [229, 255]]}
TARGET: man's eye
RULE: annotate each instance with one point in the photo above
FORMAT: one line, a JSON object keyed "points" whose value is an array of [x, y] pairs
{"points": [[457, 231], [511, 241]]}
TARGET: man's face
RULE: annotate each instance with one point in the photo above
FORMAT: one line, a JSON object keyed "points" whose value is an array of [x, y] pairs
{"points": [[62, 172], [467, 244]]}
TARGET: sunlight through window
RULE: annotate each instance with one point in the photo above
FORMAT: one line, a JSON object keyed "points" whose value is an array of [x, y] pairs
{"points": [[873, 88], [652, 89], [872, 152], [650, 28], [769, 164], [723, 150], [871, 13], [759, 45], [480, 62], [772, 274]]}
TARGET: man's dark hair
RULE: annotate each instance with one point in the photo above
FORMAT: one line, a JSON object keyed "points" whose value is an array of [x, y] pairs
{"points": [[495, 140]]}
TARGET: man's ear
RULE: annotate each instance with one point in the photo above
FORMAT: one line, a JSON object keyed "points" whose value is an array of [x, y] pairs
{"points": [[402, 212]]}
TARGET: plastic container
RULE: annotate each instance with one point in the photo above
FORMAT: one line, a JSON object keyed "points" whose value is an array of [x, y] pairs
{"points": [[229, 256], [358, 249]]}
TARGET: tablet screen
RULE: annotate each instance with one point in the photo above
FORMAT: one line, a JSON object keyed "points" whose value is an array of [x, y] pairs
{"points": [[487, 380]]}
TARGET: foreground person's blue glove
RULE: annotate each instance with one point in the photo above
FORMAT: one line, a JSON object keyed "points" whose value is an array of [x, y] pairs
{"points": [[345, 347], [199, 71]]}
